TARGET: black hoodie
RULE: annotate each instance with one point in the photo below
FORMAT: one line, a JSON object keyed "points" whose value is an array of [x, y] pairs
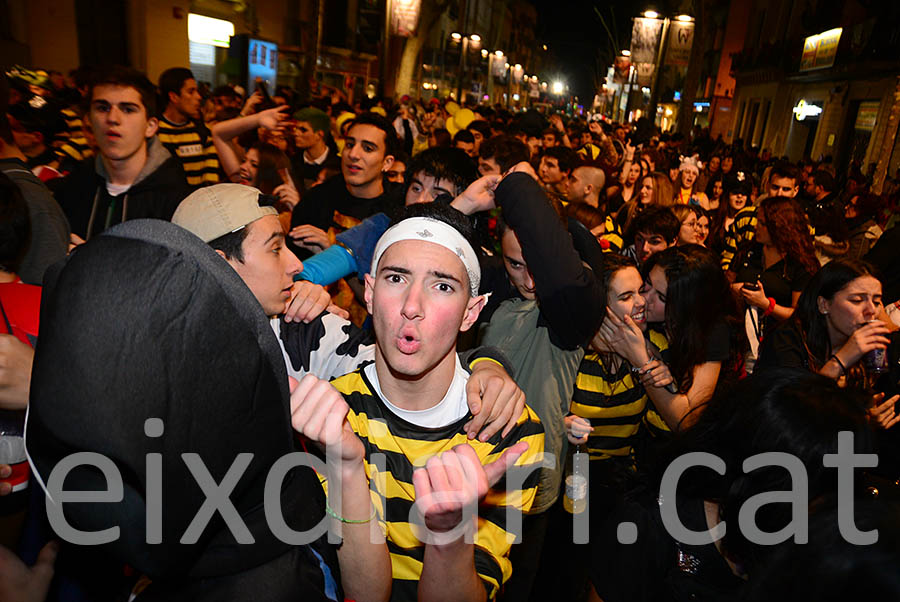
{"points": [[147, 321], [156, 193]]}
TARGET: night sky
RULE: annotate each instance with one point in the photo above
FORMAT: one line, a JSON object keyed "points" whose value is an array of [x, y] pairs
{"points": [[573, 33]]}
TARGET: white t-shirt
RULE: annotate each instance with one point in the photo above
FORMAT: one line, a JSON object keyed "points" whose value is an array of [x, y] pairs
{"points": [[116, 189], [447, 411]]}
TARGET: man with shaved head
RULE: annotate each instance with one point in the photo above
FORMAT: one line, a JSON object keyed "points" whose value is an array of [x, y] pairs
{"points": [[586, 183]]}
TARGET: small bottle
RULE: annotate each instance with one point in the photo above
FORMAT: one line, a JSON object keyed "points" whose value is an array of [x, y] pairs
{"points": [[575, 499], [12, 452]]}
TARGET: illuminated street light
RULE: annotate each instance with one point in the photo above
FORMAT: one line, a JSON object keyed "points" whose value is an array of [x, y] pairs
{"points": [[506, 65], [558, 87], [544, 47], [499, 54], [684, 18], [456, 36], [475, 37], [626, 53], [534, 79], [651, 14], [518, 67], [484, 53]]}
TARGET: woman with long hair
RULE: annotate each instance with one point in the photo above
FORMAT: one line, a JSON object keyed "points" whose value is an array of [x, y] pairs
{"points": [[734, 198], [687, 299], [714, 189], [689, 218], [656, 189], [630, 177], [263, 165], [770, 272]]}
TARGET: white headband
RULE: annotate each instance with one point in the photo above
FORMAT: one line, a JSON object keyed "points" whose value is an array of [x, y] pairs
{"points": [[432, 230]]}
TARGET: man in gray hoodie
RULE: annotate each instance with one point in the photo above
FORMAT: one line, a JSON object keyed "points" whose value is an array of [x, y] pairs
{"points": [[133, 176]]}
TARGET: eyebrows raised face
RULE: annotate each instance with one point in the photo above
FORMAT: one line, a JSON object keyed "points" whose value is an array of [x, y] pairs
{"points": [[406, 271]]}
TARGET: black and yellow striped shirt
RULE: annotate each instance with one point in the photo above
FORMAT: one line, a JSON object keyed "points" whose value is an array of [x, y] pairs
{"points": [[191, 143], [71, 144], [613, 236], [652, 420], [406, 446], [741, 230], [613, 402]]}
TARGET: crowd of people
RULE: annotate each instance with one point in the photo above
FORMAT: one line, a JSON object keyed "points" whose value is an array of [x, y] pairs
{"points": [[482, 324]]}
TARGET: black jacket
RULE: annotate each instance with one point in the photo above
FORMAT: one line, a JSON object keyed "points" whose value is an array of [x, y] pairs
{"points": [[146, 321], [156, 193]]}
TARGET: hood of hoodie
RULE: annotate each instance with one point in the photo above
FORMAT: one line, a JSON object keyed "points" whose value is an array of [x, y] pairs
{"points": [[157, 154], [153, 346]]}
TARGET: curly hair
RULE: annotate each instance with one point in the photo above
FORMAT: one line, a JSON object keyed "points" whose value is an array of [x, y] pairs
{"points": [[789, 229]]}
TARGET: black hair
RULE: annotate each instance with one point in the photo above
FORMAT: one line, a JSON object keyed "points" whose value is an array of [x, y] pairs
{"points": [[232, 244], [224, 91], [565, 156], [481, 126], [829, 568], [505, 150], [440, 163], [783, 169], [464, 136], [442, 137], [824, 179], [15, 225], [5, 130], [783, 410], [391, 142], [826, 283], [698, 299], [656, 219], [126, 77], [46, 119], [172, 80], [612, 264]]}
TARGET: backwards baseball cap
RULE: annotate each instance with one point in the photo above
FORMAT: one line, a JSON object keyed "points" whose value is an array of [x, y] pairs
{"points": [[316, 118], [220, 209]]}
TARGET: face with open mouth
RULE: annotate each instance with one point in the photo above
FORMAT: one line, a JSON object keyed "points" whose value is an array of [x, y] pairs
{"points": [[624, 297], [419, 302], [250, 167]]}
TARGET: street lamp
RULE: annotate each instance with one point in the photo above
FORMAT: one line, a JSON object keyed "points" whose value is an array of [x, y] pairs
{"points": [[660, 56], [558, 88]]}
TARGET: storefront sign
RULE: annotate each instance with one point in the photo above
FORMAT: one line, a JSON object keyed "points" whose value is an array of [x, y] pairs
{"points": [[206, 30], [681, 37], [865, 118], [819, 50], [405, 17], [804, 110], [645, 39]]}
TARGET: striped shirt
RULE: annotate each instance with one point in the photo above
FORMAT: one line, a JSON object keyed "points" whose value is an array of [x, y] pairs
{"points": [[406, 446], [72, 143], [614, 404], [191, 143], [611, 240], [652, 420], [743, 229]]}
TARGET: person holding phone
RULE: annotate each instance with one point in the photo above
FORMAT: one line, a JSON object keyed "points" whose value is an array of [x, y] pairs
{"points": [[769, 272]]}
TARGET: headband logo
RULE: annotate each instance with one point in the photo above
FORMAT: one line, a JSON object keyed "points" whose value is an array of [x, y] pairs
{"points": [[425, 234]]}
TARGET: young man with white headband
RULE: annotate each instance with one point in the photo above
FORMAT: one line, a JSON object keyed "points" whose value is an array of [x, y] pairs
{"points": [[410, 406], [239, 224]]}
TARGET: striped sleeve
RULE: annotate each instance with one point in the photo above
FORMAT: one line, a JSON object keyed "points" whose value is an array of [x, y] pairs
{"points": [[743, 229], [652, 419]]}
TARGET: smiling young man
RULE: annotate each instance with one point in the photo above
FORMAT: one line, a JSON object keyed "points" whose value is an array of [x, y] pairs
{"points": [[409, 405], [181, 128], [360, 190], [133, 176]]}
